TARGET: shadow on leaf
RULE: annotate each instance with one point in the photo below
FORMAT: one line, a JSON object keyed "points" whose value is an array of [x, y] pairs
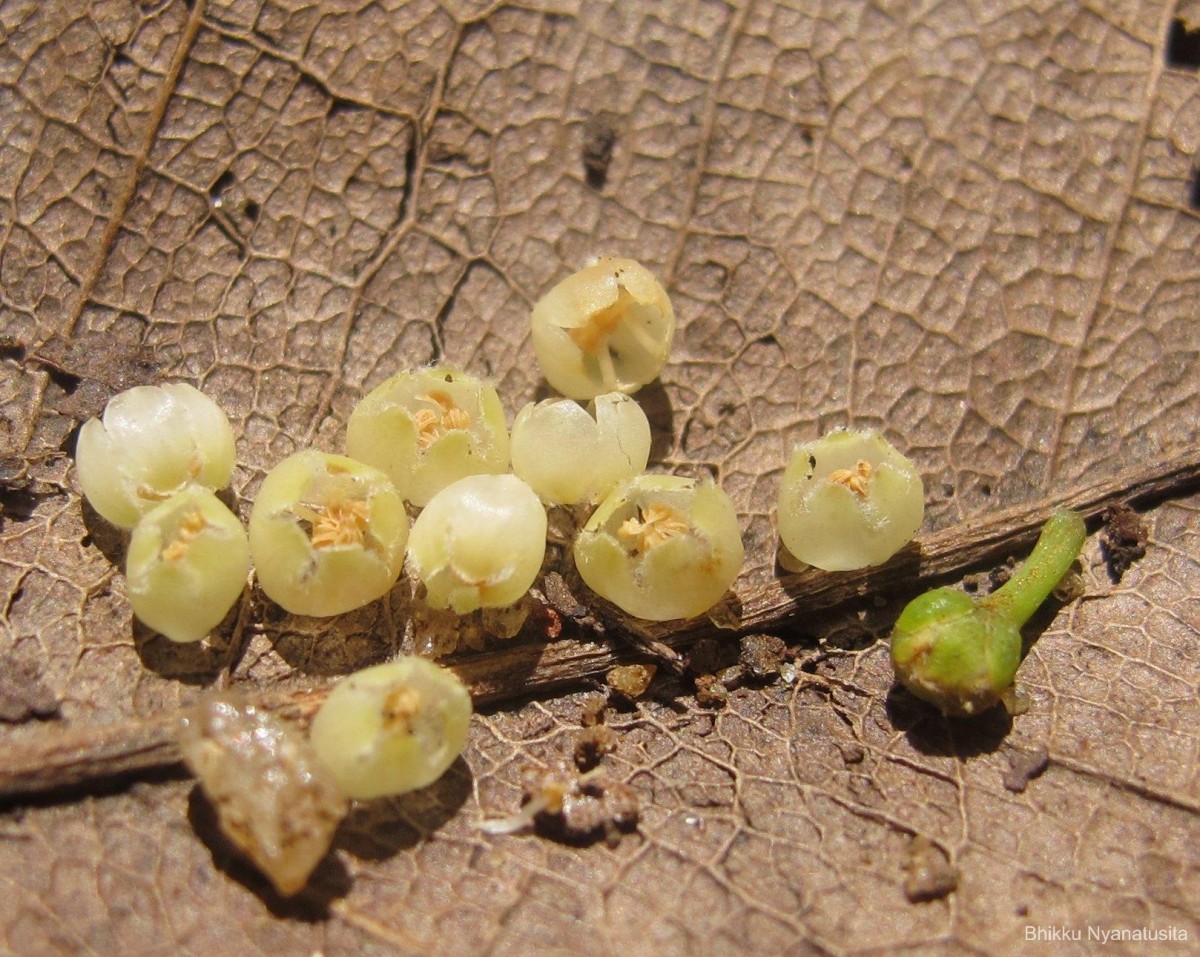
{"points": [[380, 829], [332, 647], [194, 662], [111, 541], [932, 733]]}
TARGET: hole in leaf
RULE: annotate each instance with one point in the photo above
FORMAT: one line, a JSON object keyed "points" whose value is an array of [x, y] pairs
{"points": [[224, 181], [1183, 46], [339, 107], [11, 348], [1194, 190], [66, 380]]}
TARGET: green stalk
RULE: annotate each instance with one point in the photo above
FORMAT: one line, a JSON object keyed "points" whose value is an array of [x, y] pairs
{"points": [[1056, 550]]}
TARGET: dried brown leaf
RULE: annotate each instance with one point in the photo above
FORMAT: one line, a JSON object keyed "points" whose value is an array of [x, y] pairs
{"points": [[965, 224]]}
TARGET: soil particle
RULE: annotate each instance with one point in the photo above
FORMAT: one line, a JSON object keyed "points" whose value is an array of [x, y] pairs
{"points": [[984, 583], [560, 598], [929, 875], [710, 693], [630, 681], [1023, 767], [1000, 575], [594, 707], [732, 677], [12, 348], [852, 753], [714, 675]]}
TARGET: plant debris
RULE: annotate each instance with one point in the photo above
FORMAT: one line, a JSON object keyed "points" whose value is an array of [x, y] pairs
{"points": [[581, 807], [761, 656], [1123, 540], [929, 874], [1016, 700], [594, 707], [1071, 587], [591, 744], [274, 799], [566, 805], [599, 138]]}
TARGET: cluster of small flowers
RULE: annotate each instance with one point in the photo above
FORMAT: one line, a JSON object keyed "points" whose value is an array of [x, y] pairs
{"points": [[329, 533]]}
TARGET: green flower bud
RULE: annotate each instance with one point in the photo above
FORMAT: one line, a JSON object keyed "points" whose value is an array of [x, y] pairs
{"points": [[949, 652], [607, 327], [327, 534], [961, 654], [187, 564], [429, 428], [392, 728]]}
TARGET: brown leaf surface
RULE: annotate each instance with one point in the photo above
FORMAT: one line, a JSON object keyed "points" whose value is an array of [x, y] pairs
{"points": [[967, 224]]}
